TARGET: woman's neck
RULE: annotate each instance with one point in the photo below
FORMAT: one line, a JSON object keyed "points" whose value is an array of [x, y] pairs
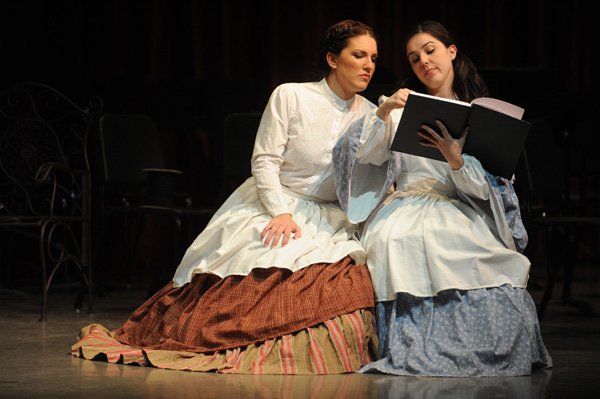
{"points": [[444, 92], [335, 87]]}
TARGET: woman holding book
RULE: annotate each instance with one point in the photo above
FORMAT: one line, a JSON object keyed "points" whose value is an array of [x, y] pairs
{"points": [[444, 247], [276, 283]]}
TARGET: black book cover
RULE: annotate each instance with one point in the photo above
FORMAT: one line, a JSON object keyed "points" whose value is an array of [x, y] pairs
{"points": [[495, 138]]}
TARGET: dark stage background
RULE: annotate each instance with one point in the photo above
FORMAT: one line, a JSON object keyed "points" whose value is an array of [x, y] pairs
{"points": [[189, 64]]}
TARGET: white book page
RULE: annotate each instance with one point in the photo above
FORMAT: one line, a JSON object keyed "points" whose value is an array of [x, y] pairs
{"points": [[500, 106], [440, 98]]}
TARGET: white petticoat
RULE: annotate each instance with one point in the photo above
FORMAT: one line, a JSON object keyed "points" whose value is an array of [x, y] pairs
{"points": [[231, 245]]}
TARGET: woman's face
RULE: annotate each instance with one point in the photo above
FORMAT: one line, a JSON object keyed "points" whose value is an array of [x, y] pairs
{"points": [[352, 70], [431, 61]]}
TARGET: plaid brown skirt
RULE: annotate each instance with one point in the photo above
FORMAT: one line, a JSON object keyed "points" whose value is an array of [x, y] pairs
{"points": [[211, 314]]}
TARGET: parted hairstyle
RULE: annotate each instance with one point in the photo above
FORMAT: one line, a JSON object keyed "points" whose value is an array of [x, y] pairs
{"points": [[336, 39], [467, 83]]}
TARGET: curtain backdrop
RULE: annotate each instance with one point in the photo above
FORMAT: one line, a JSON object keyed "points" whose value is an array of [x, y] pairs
{"points": [[188, 64]]}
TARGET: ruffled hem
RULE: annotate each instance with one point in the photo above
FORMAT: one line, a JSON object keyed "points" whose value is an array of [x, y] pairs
{"points": [[339, 345]]}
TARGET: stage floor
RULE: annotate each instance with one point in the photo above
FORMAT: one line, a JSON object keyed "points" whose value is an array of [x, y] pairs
{"points": [[35, 360]]}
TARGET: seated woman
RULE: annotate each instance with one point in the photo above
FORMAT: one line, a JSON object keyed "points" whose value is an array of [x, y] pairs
{"points": [[276, 283], [443, 247]]}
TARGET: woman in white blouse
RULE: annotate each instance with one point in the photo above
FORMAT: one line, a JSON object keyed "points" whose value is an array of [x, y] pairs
{"points": [[443, 248], [276, 283]]}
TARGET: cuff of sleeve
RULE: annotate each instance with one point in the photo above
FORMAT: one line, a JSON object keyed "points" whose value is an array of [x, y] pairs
{"points": [[470, 178], [279, 211], [275, 203]]}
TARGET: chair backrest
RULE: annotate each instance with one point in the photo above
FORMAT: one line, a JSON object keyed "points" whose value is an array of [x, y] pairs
{"points": [[542, 171], [133, 163], [239, 133], [43, 139], [129, 144]]}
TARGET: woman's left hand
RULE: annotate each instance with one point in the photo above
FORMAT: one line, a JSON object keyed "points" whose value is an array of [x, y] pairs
{"points": [[450, 147]]}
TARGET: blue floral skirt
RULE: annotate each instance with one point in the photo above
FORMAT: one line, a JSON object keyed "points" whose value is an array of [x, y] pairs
{"points": [[480, 332]]}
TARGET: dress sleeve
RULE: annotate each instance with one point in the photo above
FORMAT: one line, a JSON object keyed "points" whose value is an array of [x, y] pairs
{"points": [[269, 149], [376, 138], [470, 179], [362, 183], [495, 199]]}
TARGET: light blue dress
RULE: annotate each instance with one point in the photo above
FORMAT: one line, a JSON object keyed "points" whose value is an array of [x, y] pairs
{"points": [[443, 252]]}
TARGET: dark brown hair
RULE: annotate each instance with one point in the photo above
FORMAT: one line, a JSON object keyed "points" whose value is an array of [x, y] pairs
{"points": [[336, 39], [467, 83]]}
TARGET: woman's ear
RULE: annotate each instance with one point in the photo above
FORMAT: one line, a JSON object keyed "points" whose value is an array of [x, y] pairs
{"points": [[331, 60], [452, 50]]}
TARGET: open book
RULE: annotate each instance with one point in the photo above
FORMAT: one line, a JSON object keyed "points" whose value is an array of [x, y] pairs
{"points": [[496, 132]]}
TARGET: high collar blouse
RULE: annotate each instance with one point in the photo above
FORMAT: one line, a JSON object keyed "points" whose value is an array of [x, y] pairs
{"points": [[292, 152]]}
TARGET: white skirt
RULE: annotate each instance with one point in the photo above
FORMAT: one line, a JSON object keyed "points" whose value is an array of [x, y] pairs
{"points": [[231, 242], [425, 243]]}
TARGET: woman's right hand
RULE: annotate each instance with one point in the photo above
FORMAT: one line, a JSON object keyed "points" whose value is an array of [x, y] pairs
{"points": [[280, 226], [395, 101]]}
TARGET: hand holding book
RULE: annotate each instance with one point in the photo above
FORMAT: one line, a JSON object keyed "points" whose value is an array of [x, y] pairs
{"points": [[496, 131], [451, 148]]}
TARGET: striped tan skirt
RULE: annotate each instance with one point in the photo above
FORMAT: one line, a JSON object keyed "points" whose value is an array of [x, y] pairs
{"points": [[317, 320]]}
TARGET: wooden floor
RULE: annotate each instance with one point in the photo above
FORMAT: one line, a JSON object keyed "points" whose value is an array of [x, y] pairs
{"points": [[35, 360]]}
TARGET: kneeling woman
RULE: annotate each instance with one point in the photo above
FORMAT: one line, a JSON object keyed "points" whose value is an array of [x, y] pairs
{"points": [[276, 283]]}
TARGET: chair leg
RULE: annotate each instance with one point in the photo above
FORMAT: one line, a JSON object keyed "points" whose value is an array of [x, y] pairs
{"points": [[81, 294], [65, 255], [136, 245], [172, 224], [84, 291], [44, 273], [86, 239], [90, 292], [85, 274], [574, 238], [552, 270]]}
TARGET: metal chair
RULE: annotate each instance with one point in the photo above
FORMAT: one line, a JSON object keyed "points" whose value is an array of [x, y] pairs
{"points": [[45, 178], [135, 184], [550, 209]]}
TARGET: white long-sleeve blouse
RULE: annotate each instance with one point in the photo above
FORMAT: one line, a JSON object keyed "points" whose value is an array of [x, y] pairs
{"points": [[292, 173]]}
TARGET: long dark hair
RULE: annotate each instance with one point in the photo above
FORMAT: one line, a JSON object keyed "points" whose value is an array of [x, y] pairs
{"points": [[336, 39], [467, 83]]}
